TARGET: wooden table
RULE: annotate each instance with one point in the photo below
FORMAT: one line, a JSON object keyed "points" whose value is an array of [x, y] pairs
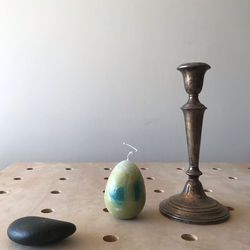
{"points": [[74, 192]]}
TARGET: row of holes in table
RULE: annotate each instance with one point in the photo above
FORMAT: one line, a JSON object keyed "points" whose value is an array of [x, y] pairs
{"points": [[112, 238], [149, 178]]}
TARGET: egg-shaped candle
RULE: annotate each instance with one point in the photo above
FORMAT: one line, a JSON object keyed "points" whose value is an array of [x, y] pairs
{"points": [[125, 191]]}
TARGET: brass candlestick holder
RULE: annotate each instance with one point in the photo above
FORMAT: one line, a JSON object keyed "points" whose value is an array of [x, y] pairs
{"points": [[192, 205]]}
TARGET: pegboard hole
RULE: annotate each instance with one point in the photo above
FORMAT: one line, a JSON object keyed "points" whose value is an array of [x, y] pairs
{"points": [[150, 178], [68, 168], [232, 178], [110, 238], [216, 168], [158, 191], [105, 178], [63, 179], [105, 210], [29, 168], [189, 237], [230, 208], [182, 169], [17, 178], [103, 191], [3, 192], [107, 168], [208, 190], [47, 210], [55, 192], [144, 168]]}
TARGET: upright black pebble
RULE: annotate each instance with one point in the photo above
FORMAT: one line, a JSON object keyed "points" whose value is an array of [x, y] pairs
{"points": [[37, 231]]}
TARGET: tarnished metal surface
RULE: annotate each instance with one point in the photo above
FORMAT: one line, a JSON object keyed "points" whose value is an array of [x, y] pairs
{"points": [[192, 205]]}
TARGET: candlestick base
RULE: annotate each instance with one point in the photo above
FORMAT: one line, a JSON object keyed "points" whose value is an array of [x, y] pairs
{"points": [[193, 206]]}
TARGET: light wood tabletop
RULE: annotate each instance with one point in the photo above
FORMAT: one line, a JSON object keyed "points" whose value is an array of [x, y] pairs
{"points": [[74, 192]]}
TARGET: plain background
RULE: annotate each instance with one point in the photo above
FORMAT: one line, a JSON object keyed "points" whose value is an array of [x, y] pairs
{"points": [[79, 77]]}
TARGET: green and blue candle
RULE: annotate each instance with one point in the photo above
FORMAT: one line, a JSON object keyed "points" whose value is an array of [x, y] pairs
{"points": [[125, 193]]}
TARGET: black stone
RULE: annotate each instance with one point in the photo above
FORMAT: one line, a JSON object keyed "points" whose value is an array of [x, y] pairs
{"points": [[37, 231]]}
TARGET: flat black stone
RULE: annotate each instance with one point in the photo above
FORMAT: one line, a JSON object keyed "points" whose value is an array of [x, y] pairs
{"points": [[37, 231]]}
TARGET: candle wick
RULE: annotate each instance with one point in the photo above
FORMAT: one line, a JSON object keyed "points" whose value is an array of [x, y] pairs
{"points": [[130, 152]]}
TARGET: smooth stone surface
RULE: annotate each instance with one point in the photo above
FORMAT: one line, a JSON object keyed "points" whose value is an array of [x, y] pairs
{"points": [[125, 191], [37, 231]]}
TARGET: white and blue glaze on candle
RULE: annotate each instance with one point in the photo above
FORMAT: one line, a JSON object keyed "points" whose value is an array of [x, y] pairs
{"points": [[125, 191]]}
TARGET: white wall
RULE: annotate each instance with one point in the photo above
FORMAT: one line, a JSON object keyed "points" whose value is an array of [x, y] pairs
{"points": [[77, 78]]}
